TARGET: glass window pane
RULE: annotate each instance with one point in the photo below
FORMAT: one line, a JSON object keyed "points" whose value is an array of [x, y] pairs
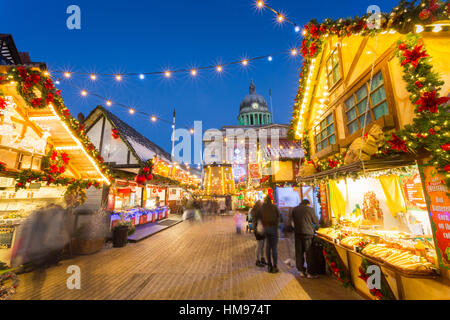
{"points": [[361, 93], [324, 134], [368, 120], [351, 115], [378, 96], [26, 162], [381, 110], [353, 127], [330, 119], [325, 144], [335, 58], [362, 106], [323, 125], [319, 147], [350, 103], [331, 129], [377, 80], [333, 139], [336, 74]]}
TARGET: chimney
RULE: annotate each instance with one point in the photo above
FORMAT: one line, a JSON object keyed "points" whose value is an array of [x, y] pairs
{"points": [[25, 57], [81, 117]]}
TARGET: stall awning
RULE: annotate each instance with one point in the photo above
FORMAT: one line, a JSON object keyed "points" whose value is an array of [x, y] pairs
{"points": [[359, 166]]}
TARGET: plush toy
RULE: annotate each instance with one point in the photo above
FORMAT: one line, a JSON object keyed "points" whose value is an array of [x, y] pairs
{"points": [[369, 145]]}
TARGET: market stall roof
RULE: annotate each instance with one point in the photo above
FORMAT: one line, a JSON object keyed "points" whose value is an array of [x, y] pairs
{"points": [[359, 166], [60, 135], [142, 147], [285, 150], [8, 51]]}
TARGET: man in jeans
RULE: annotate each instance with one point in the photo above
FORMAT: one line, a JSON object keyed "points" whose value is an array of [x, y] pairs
{"points": [[304, 217], [270, 216]]}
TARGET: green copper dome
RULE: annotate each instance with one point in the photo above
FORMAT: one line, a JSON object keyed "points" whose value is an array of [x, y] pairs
{"points": [[253, 110]]}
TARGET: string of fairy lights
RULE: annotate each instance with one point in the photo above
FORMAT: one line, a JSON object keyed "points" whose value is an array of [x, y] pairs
{"points": [[168, 73]]}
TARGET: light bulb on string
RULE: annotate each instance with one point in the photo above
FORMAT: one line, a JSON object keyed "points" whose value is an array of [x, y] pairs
{"points": [[294, 52], [192, 131], [153, 119], [280, 18], [270, 58], [131, 111], [108, 103], [118, 77], [141, 76], [194, 72], [83, 93], [244, 62], [167, 74], [260, 4], [297, 29], [219, 68], [67, 74], [93, 77]]}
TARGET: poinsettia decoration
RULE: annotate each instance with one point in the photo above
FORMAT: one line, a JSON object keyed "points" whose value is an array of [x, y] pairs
{"points": [[383, 293], [414, 56], [3, 103], [429, 101], [335, 264], [397, 144]]}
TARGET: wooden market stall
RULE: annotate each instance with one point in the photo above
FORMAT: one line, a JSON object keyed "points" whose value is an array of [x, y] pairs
{"points": [[372, 115], [45, 156]]}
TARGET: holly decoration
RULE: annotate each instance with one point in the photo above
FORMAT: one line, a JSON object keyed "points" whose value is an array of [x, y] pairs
{"points": [[2, 166], [384, 293], [335, 264]]}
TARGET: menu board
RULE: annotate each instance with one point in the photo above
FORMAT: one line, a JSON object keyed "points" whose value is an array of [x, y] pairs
{"points": [[439, 208], [413, 190], [323, 202]]}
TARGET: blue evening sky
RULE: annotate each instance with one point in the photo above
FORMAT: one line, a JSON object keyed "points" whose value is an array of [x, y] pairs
{"points": [[142, 36]]}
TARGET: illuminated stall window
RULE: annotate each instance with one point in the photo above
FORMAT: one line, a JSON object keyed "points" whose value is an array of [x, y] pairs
{"points": [[333, 68], [325, 133], [356, 105]]}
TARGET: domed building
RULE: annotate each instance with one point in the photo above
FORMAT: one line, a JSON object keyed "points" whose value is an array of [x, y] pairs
{"points": [[253, 110]]}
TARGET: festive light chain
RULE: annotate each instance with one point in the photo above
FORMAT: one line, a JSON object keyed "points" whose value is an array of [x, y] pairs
{"points": [[131, 110], [169, 73], [280, 16]]}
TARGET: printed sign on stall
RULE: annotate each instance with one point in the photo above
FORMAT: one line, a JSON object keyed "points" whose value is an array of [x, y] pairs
{"points": [[439, 208]]}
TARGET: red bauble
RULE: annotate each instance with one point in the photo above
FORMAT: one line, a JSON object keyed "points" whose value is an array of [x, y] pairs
{"points": [[149, 177], [146, 170], [140, 179], [432, 132], [418, 84], [446, 147], [447, 168]]}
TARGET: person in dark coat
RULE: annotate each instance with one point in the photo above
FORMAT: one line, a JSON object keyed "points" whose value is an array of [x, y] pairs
{"points": [[304, 219], [259, 234], [270, 217]]}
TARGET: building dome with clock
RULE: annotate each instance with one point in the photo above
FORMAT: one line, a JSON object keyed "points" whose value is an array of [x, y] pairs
{"points": [[254, 110]]}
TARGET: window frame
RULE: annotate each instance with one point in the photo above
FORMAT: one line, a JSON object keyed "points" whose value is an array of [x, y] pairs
{"points": [[387, 121], [335, 133], [329, 74]]}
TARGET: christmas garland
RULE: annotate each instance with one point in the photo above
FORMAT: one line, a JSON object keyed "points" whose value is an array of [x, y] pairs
{"points": [[335, 264], [430, 129], [6, 292], [384, 293], [38, 91]]}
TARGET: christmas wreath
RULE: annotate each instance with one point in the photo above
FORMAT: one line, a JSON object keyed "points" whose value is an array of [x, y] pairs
{"points": [[6, 292]]}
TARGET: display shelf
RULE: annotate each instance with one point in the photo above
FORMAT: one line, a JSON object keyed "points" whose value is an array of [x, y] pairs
{"points": [[384, 264]]}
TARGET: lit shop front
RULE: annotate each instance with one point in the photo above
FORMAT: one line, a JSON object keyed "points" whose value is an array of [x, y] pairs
{"points": [[392, 218], [45, 157]]}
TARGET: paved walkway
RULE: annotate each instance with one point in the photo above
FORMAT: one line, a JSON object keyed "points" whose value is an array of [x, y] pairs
{"points": [[191, 260]]}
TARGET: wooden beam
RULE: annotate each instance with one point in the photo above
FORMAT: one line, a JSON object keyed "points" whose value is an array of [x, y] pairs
{"points": [[356, 59]]}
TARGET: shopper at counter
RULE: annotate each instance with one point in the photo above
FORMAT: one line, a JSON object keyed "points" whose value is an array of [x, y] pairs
{"points": [[304, 219]]}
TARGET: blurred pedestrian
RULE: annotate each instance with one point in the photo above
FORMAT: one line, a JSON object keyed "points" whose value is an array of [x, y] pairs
{"points": [[270, 216], [259, 234], [238, 220], [304, 219]]}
